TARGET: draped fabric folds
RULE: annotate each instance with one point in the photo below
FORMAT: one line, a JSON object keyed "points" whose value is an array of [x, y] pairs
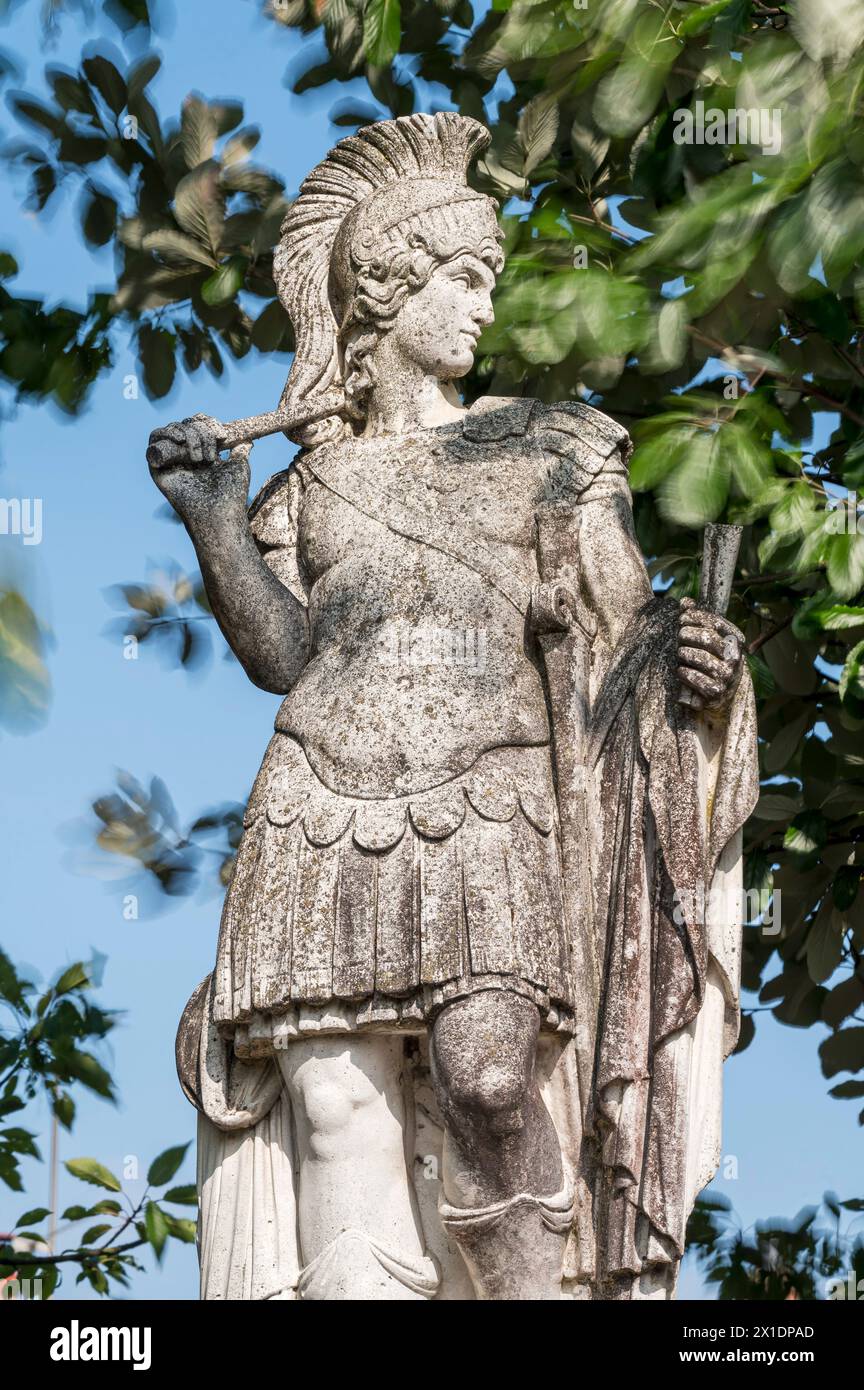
{"points": [[672, 803]]}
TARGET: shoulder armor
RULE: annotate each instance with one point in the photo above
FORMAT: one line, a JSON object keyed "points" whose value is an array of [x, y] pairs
{"points": [[586, 424], [578, 443], [273, 523], [273, 513], [496, 417]]}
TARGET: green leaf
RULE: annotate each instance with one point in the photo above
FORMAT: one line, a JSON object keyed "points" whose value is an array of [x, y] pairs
{"points": [[703, 17], [589, 148], [776, 806], [844, 889], [271, 327], [185, 1196], [825, 945], [843, 1051], [99, 220], [64, 1108], [223, 284], [141, 75], [844, 999], [181, 1228], [785, 742], [240, 146], [197, 132], [93, 1234], [90, 1170], [20, 1141], [107, 80], [199, 207], [696, 491], [800, 999], [819, 614], [107, 1207], [227, 115], [96, 1278], [627, 96], [846, 564], [36, 113], [25, 684], [660, 454], [163, 1168], [156, 1227], [805, 837], [85, 1068], [764, 684], [33, 1217], [848, 1090], [156, 350], [74, 977], [176, 247], [747, 1032], [852, 681], [382, 30], [537, 129]]}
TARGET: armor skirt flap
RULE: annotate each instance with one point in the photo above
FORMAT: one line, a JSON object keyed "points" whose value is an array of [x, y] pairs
{"points": [[347, 914]]}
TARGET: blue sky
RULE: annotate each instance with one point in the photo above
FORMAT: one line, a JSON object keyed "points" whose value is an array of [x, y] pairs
{"points": [[205, 734]]}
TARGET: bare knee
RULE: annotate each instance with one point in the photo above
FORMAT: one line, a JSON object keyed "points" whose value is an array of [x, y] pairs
{"points": [[492, 1097], [337, 1090], [483, 1051]]}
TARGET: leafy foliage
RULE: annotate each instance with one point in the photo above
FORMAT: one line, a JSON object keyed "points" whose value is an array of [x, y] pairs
{"points": [[192, 219], [42, 1052], [805, 1258], [53, 352], [140, 828], [25, 685], [170, 611], [126, 15]]}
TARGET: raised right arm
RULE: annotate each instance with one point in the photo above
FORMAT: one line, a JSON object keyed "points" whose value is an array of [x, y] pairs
{"points": [[262, 621]]}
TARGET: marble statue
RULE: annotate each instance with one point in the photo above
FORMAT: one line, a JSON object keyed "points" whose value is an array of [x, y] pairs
{"points": [[479, 961]]}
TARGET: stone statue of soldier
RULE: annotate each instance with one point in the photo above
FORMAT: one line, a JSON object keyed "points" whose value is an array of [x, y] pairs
{"points": [[461, 1040]]}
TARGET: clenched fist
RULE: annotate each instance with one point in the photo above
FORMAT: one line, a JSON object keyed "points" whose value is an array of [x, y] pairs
{"points": [[186, 467], [710, 651]]}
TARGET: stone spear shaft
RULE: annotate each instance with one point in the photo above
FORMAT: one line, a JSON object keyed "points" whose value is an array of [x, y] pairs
{"points": [[719, 557]]}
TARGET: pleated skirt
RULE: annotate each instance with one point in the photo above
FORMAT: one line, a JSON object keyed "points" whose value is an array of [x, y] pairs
{"points": [[346, 915]]}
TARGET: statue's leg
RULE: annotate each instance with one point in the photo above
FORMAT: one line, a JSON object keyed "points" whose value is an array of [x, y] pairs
{"points": [[504, 1201], [360, 1236]]}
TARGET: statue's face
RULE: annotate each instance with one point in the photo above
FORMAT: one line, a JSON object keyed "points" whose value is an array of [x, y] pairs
{"points": [[438, 326]]}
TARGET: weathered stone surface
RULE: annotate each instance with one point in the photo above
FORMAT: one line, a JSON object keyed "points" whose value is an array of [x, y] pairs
{"points": [[465, 1030]]}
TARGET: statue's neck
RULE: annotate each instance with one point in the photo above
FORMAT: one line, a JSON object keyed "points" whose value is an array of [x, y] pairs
{"points": [[409, 401]]}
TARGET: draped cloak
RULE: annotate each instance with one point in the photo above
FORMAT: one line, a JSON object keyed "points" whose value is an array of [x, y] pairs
{"points": [[673, 793]]}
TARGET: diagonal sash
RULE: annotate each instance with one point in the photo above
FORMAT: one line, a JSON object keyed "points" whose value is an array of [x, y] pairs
{"points": [[451, 537]]}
